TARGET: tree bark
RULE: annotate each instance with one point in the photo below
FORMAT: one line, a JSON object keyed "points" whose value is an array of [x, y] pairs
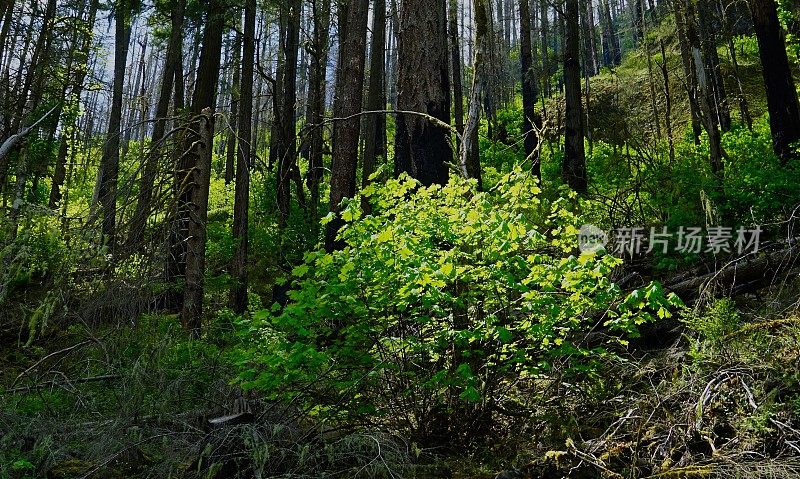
{"points": [[689, 74], [241, 205], [574, 166], [200, 147], [422, 148], [784, 115], [109, 165], [455, 60], [230, 153], [287, 147], [316, 105], [528, 90], [346, 106], [375, 128]]}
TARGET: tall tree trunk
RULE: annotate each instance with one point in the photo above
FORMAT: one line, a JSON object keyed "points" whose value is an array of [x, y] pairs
{"points": [[703, 91], [75, 91], [574, 167], [744, 111], [545, 49], [346, 109], [200, 143], [233, 120], [689, 74], [667, 102], [784, 115], [316, 105], [168, 85], [375, 130], [421, 147], [242, 194], [455, 60], [528, 90], [469, 150], [109, 165], [287, 147], [708, 46]]}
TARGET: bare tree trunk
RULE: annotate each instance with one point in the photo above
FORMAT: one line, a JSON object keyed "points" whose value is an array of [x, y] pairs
{"points": [[574, 167], [287, 142], [241, 206], [422, 148], [455, 60], [708, 46], [200, 143], [703, 91], [375, 130], [316, 105], [528, 90], [667, 102], [346, 106], [168, 85], [109, 166], [784, 114], [545, 49], [689, 74], [233, 120]]}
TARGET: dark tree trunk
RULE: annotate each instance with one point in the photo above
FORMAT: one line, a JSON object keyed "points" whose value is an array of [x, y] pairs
{"points": [[200, 151], [109, 166], [545, 49], [470, 160], [76, 89], [784, 116], [574, 167], [242, 195], [703, 90], [455, 60], [287, 147], [230, 153], [143, 203], [421, 147], [346, 109], [689, 73], [528, 90], [708, 45], [316, 105], [375, 130]]}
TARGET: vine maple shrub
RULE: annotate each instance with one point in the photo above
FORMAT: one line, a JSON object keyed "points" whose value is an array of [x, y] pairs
{"points": [[440, 298]]}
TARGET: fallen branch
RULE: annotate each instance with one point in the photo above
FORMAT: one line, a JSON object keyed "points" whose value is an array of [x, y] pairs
{"points": [[15, 139]]}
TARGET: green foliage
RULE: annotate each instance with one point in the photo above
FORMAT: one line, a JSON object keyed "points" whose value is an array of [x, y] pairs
{"points": [[440, 297], [37, 251]]}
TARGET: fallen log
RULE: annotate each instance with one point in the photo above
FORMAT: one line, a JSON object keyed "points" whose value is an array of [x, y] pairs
{"points": [[742, 275]]}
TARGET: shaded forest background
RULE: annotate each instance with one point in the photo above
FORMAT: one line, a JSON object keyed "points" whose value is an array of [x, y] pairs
{"points": [[340, 239]]}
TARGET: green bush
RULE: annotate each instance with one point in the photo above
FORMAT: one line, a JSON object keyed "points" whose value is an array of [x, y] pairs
{"points": [[438, 299]]}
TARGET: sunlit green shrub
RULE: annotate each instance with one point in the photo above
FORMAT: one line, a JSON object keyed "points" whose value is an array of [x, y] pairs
{"points": [[438, 299]]}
